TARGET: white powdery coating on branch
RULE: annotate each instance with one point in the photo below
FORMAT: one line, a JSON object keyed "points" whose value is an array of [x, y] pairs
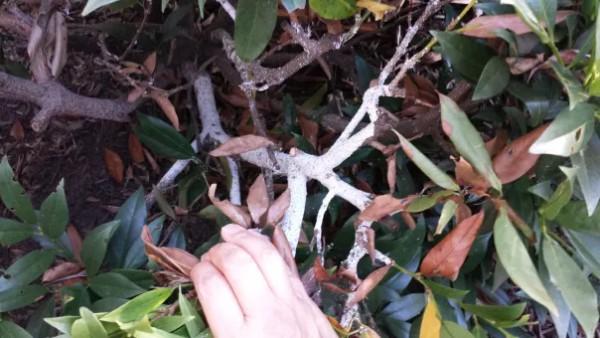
{"points": [[292, 221]]}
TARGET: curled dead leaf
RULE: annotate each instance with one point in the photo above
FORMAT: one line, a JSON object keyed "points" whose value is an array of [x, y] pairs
{"points": [[235, 213], [136, 151], [278, 208], [497, 143], [382, 206], [166, 106], [447, 257], [310, 130], [467, 176], [172, 259], [61, 271], [150, 63], [258, 199], [485, 26], [241, 144], [515, 160], [367, 285], [114, 165]]}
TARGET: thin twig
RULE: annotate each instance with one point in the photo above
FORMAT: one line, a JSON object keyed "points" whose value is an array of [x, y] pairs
{"points": [[136, 36]]}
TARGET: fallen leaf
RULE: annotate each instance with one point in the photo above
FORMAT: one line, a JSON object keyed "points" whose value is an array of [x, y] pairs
{"points": [[150, 63], [515, 160], [166, 106], [283, 247], [367, 285], [258, 199], [235, 213], [241, 144], [114, 165], [76, 242], [382, 206], [278, 208], [172, 259], [446, 258], [310, 130], [485, 26], [17, 131], [135, 149], [467, 176], [377, 8], [61, 270]]}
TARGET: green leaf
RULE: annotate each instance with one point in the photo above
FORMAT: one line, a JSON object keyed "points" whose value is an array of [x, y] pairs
{"points": [[93, 326], [515, 259], [466, 55], [453, 330], [560, 197], [154, 333], [445, 291], [62, 324], [12, 232], [12, 330], [568, 133], [422, 203], [196, 324], [494, 78], [573, 284], [95, 244], [561, 320], [292, 5], [573, 87], [93, 5], [573, 216], [427, 166], [446, 215], [255, 21], [587, 162], [112, 284], [20, 296], [545, 11], [592, 81], [530, 17], [162, 138], [126, 248], [333, 9], [588, 248], [496, 313], [13, 196], [138, 307], [467, 140], [172, 323], [26, 269], [54, 213], [36, 326]]}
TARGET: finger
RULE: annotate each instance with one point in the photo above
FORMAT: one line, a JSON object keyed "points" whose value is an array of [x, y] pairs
{"points": [[243, 276], [266, 256], [218, 301]]}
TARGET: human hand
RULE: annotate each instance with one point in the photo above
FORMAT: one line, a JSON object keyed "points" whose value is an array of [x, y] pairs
{"points": [[246, 290]]}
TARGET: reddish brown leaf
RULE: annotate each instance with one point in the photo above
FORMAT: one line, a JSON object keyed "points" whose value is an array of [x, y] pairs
{"points": [[462, 211], [235, 213], [496, 144], [278, 208], [258, 199], [114, 165], [172, 259], [166, 106], [367, 285], [135, 94], [76, 242], [242, 144], [150, 63], [135, 149], [391, 172], [467, 176], [319, 271], [17, 131], [484, 26], [515, 160], [60, 271], [446, 258], [382, 206], [283, 246], [310, 130], [521, 65]]}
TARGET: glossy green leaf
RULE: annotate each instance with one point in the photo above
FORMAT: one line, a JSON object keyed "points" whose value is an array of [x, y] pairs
{"points": [[154, 333], [20, 296], [530, 17], [95, 245], [453, 330], [561, 196], [172, 323], [162, 138], [427, 166], [466, 55], [26, 269], [254, 24], [562, 319], [573, 216], [11, 330], [587, 161], [568, 133], [516, 261], [196, 324], [126, 248], [496, 312], [588, 248], [445, 216], [62, 324], [112, 284], [107, 304], [467, 140], [572, 85], [479, 332], [445, 291], [13, 196], [93, 327], [36, 326], [54, 213], [93, 5], [494, 78], [593, 72], [12, 232], [573, 284], [333, 9], [424, 202], [139, 306]]}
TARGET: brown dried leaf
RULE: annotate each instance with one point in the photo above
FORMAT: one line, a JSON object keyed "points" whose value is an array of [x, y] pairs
{"points": [[241, 144], [521, 65], [135, 94], [76, 242], [152, 161], [61, 270], [35, 40], [235, 213], [172, 259], [484, 26], [17, 130], [135, 149], [150, 63], [278, 208], [167, 107], [391, 172], [382, 206], [283, 247], [496, 144], [515, 160], [321, 274], [310, 130], [114, 165], [258, 199], [367, 285], [446, 258], [467, 176], [462, 211]]}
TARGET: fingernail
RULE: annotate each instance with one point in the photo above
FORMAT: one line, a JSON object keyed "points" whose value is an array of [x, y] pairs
{"points": [[230, 230]]}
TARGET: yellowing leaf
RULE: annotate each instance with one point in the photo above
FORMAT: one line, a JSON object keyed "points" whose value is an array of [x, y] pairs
{"points": [[431, 324], [377, 8]]}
